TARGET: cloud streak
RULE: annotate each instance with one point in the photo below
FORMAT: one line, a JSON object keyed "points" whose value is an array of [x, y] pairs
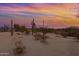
{"points": [[60, 15]]}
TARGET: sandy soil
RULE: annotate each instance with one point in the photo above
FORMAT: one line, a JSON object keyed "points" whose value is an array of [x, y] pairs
{"points": [[57, 45]]}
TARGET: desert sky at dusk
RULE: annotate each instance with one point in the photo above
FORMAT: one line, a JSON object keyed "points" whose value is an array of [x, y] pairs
{"points": [[55, 15]]}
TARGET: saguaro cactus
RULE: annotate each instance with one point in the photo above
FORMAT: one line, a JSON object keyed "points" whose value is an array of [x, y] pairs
{"points": [[11, 27], [33, 26]]}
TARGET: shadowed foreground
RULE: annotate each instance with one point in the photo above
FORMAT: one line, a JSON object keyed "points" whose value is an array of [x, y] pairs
{"points": [[57, 45]]}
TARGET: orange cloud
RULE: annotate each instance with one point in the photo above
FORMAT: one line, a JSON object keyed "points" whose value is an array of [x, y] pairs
{"points": [[64, 13]]}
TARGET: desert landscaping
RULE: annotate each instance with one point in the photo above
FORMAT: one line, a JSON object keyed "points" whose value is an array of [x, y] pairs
{"points": [[56, 45]]}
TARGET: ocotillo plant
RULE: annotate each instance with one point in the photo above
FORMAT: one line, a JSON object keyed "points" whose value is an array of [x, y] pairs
{"points": [[11, 27], [43, 30], [43, 37]]}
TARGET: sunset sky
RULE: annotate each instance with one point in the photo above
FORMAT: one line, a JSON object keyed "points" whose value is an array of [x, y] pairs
{"points": [[55, 15]]}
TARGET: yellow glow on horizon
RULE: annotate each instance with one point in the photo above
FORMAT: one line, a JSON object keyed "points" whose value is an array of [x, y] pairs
{"points": [[60, 14]]}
